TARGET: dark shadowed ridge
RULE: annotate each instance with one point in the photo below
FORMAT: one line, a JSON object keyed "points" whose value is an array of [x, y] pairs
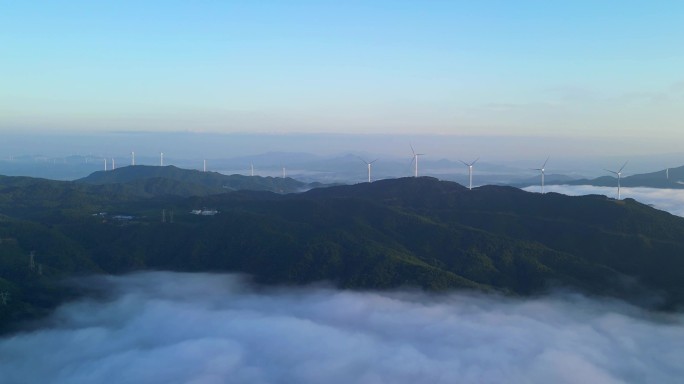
{"points": [[211, 182], [446, 235]]}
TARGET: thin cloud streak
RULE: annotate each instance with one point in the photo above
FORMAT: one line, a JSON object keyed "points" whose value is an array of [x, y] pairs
{"points": [[198, 328]]}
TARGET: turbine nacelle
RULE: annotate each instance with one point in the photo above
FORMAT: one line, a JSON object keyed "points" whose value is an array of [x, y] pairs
{"points": [[366, 162]]}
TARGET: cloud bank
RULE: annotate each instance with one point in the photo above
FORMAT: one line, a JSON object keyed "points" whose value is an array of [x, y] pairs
{"points": [[670, 200], [197, 328]]}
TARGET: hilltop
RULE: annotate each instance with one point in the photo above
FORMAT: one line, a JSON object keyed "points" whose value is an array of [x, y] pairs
{"points": [[410, 232], [195, 182]]}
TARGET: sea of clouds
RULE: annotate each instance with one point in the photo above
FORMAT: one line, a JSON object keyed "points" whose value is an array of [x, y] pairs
{"points": [[162, 327], [670, 200]]}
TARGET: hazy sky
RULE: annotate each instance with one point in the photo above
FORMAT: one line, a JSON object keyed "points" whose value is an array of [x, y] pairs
{"points": [[573, 68]]}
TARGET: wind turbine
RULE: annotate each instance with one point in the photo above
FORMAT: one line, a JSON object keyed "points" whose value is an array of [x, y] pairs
{"points": [[369, 166], [619, 176], [415, 160], [542, 170], [470, 172]]}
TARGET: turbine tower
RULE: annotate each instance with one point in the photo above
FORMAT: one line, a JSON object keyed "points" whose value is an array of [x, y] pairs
{"points": [[470, 172], [205, 166], [283, 172], [251, 168], [105, 163], [113, 164], [667, 173], [415, 160], [619, 176], [132, 158], [161, 159], [369, 166], [542, 170]]}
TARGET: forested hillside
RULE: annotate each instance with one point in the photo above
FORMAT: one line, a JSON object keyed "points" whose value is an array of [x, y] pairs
{"points": [[412, 232]]}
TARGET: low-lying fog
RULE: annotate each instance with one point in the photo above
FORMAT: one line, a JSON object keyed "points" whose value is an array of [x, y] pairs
{"points": [[199, 328]]}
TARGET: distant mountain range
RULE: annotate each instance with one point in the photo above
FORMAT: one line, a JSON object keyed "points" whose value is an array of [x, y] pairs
{"points": [[666, 178], [343, 168], [336, 169], [417, 232]]}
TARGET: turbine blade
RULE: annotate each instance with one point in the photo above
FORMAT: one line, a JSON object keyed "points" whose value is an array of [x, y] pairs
{"points": [[362, 159], [464, 163], [623, 166], [412, 150], [473, 163], [608, 170], [373, 161]]}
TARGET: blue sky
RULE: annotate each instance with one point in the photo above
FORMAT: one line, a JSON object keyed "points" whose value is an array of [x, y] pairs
{"points": [[573, 68]]}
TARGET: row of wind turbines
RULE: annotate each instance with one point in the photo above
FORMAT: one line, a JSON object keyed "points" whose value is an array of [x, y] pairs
{"points": [[542, 170], [414, 162], [161, 164]]}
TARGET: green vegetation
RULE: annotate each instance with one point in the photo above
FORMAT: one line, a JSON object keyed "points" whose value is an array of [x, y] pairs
{"points": [[413, 232], [152, 180]]}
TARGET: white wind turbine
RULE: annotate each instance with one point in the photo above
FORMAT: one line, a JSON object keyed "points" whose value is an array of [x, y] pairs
{"points": [[470, 172], [542, 170], [369, 166], [619, 176], [415, 160]]}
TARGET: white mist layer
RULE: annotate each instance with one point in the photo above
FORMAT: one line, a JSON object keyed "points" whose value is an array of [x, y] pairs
{"points": [[198, 328], [670, 200]]}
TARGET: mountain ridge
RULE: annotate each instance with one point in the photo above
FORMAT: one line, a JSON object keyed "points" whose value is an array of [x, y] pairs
{"points": [[214, 182], [666, 178], [417, 232]]}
